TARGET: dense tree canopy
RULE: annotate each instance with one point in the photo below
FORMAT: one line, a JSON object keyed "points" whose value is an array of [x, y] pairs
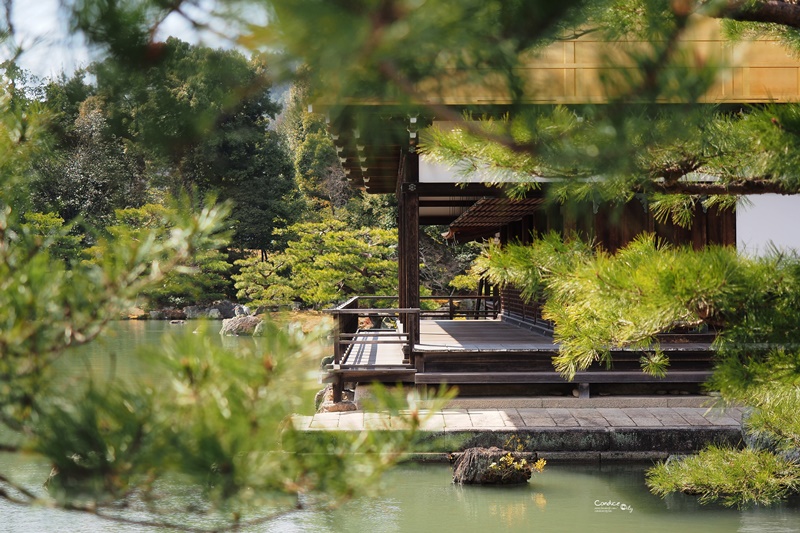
{"points": [[195, 128], [196, 120], [217, 422], [641, 141], [323, 263]]}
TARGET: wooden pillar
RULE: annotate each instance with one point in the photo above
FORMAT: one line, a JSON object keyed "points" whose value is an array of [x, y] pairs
{"points": [[409, 240], [402, 260]]}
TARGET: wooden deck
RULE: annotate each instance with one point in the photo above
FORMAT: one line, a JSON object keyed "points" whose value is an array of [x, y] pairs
{"points": [[478, 335], [437, 336], [493, 353]]}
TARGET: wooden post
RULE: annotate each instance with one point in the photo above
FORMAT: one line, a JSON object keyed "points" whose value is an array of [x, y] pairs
{"points": [[337, 336], [583, 390], [338, 384], [409, 242], [402, 259]]}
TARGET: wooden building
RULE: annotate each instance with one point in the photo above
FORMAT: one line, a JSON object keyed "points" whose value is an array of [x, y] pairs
{"points": [[510, 350]]}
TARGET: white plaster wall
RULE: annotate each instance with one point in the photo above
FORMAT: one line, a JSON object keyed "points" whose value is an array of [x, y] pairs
{"points": [[430, 172], [765, 219]]}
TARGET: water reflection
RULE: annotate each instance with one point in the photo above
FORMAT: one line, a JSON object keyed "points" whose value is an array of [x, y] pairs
{"points": [[563, 498], [421, 497]]}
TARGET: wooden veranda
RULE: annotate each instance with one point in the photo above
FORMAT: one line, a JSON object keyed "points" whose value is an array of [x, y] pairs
{"points": [[505, 346], [481, 354]]}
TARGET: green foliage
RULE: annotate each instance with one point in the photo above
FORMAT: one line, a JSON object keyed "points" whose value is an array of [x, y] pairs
{"points": [[773, 424], [323, 262], [465, 282], [215, 422], [91, 174], [739, 31], [194, 109], [386, 49], [54, 236], [318, 172], [732, 477], [371, 210], [47, 307], [600, 301], [203, 277], [203, 116], [530, 267], [264, 282], [597, 153], [443, 261], [195, 119], [142, 443]]}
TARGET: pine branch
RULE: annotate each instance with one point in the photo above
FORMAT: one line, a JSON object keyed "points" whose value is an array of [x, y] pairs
{"points": [[771, 11], [757, 186]]}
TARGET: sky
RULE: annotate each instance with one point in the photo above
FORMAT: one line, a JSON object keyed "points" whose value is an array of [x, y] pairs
{"points": [[42, 28]]}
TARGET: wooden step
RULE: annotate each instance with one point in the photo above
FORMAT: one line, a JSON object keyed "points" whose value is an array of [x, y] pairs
{"points": [[366, 375], [610, 376]]}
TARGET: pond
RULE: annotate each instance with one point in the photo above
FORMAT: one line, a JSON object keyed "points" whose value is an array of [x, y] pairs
{"points": [[415, 498]]}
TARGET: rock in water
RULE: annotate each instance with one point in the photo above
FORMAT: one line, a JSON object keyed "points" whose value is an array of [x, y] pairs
{"points": [[240, 325], [324, 403], [490, 466]]}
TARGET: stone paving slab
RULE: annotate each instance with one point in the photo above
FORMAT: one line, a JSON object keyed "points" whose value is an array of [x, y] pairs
{"points": [[595, 434], [590, 418], [535, 418], [561, 416], [667, 417], [615, 417], [526, 418], [486, 418], [457, 420]]}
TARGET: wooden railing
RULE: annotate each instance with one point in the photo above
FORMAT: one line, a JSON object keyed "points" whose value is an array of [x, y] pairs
{"points": [[346, 318], [347, 333], [485, 307], [451, 307], [520, 313], [346, 325], [403, 330]]}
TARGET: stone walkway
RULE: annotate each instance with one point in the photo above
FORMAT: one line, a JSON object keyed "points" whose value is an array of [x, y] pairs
{"points": [[528, 419]]}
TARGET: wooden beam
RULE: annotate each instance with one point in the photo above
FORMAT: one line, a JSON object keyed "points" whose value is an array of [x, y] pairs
{"points": [[478, 190], [436, 220], [455, 378], [427, 202]]}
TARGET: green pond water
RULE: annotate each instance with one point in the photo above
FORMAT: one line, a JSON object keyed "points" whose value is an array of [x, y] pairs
{"points": [[421, 498]]}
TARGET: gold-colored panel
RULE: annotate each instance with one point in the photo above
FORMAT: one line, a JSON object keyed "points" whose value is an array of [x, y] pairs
{"points": [[587, 84], [573, 71], [569, 53], [587, 53], [773, 83], [569, 83], [545, 83], [599, 54], [738, 82], [764, 54], [702, 53], [553, 54], [720, 91]]}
